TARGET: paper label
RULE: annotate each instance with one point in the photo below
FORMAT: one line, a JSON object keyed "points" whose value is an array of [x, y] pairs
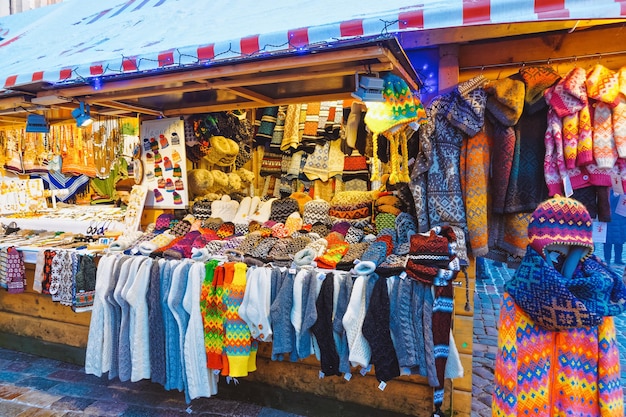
{"points": [[616, 183], [567, 187], [347, 376], [322, 375], [598, 234], [382, 385], [621, 206]]}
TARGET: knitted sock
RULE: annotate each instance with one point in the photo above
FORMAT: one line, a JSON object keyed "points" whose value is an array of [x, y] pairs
{"points": [[376, 252], [323, 328], [377, 332]]}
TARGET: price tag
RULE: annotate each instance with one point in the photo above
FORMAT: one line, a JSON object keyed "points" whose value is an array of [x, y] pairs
{"points": [[347, 376], [382, 385], [403, 275], [322, 375], [598, 234]]}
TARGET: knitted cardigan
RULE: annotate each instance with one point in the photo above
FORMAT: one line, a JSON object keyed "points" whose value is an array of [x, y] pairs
{"points": [[435, 179], [547, 373]]}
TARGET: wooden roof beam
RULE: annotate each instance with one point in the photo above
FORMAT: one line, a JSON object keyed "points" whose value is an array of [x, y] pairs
{"points": [[251, 95], [258, 68]]}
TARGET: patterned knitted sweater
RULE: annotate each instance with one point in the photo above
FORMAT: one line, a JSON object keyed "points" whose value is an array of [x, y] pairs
{"points": [[546, 373]]}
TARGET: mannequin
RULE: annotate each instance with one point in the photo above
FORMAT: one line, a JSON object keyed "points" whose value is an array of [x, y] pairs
{"points": [[557, 350]]}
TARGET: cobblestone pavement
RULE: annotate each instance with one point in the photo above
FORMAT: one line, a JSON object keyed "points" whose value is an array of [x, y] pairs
{"points": [[490, 279]]}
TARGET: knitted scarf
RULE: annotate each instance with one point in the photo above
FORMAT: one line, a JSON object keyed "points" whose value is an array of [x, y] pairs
{"points": [[557, 303]]}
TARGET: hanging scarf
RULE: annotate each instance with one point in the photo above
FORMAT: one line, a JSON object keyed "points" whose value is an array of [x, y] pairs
{"points": [[558, 303]]}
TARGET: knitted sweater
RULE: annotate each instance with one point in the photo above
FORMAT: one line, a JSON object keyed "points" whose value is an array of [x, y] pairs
{"points": [[546, 373], [175, 304], [157, 331]]}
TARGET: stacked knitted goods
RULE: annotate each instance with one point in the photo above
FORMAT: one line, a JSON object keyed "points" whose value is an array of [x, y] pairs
{"points": [[352, 206]]}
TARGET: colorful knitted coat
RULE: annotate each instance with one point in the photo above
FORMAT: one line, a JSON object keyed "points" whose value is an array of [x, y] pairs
{"points": [[539, 372]]}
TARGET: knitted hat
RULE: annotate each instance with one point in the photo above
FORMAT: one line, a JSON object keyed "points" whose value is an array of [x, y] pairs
{"points": [[560, 221], [354, 234], [212, 223], [169, 185], [262, 249], [321, 229], [223, 151], [178, 199], [281, 209], [157, 158], [158, 197], [154, 145], [163, 142], [506, 100], [355, 251], [341, 227], [226, 229], [293, 222], [241, 229], [302, 198], [279, 230], [399, 109], [316, 211], [182, 248], [177, 171], [537, 79]]}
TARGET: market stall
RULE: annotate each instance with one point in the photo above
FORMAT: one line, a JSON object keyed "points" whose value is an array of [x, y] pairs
{"points": [[316, 72]]}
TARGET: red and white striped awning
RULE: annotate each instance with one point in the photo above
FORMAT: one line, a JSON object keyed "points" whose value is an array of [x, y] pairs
{"points": [[78, 40]]}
